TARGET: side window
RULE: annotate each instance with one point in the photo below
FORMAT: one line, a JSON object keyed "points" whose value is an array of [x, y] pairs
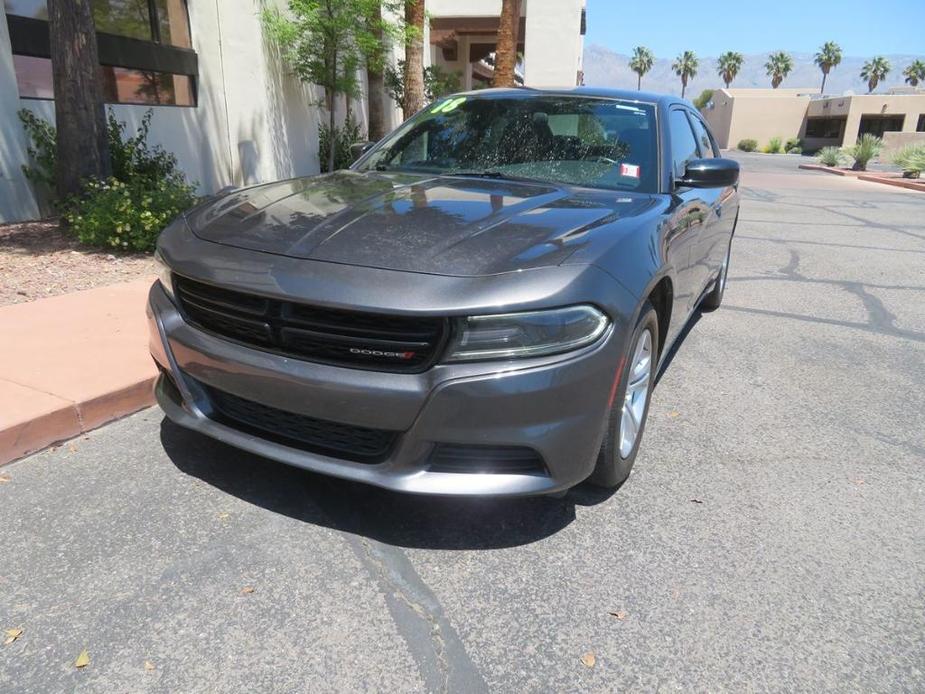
{"points": [[683, 144], [703, 138]]}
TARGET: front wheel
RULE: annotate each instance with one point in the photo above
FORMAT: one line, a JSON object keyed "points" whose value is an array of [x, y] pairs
{"points": [[712, 301], [630, 406]]}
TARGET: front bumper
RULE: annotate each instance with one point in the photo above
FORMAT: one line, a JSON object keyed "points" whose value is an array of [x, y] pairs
{"points": [[556, 406]]}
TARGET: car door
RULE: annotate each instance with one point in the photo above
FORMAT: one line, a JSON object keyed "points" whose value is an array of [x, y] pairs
{"points": [[688, 211], [712, 244]]}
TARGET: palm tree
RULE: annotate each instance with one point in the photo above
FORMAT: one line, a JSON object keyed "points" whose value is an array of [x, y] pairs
{"points": [[506, 45], [728, 66], [641, 63], [875, 70], [414, 58], [915, 73], [829, 56], [685, 66], [778, 67]]}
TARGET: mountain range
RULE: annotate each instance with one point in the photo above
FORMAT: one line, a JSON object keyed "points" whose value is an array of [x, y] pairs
{"points": [[606, 68]]}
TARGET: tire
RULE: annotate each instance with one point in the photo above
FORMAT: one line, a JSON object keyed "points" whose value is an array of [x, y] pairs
{"points": [[613, 464], [714, 299]]}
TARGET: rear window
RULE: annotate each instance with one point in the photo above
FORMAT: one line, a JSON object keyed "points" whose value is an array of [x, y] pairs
{"points": [[594, 142]]}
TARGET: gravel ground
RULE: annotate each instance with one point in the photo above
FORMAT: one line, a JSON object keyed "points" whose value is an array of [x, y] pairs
{"points": [[39, 259]]}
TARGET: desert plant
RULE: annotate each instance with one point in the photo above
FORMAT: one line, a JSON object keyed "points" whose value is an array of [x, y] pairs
{"points": [[779, 65], [911, 159], [774, 146], [866, 148], [641, 63], [747, 145], [793, 145], [728, 66], [875, 70], [831, 156], [829, 56]]}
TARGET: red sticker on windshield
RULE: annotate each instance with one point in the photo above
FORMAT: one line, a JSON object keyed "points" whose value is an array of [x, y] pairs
{"points": [[631, 170]]}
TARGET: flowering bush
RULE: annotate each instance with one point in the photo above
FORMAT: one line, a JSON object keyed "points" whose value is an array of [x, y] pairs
{"points": [[128, 210], [127, 216]]}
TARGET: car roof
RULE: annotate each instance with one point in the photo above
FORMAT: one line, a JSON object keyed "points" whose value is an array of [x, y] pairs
{"points": [[604, 92]]}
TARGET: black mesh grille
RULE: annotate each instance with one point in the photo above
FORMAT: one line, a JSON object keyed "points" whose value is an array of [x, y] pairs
{"points": [[508, 460], [299, 431], [374, 341]]}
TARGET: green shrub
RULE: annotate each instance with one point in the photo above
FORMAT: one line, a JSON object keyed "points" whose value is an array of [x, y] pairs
{"points": [[41, 150], [127, 216], [344, 136], [124, 212], [437, 82], [911, 159], [774, 146], [866, 148], [747, 145], [704, 99], [794, 145], [831, 156]]}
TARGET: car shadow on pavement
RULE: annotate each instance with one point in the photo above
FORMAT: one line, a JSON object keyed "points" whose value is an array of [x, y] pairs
{"points": [[676, 346], [402, 520]]}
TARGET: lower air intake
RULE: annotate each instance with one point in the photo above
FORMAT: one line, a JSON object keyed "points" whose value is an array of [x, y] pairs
{"points": [[502, 460]]}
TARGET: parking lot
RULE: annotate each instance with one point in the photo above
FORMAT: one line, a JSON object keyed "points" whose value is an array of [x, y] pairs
{"points": [[770, 538]]}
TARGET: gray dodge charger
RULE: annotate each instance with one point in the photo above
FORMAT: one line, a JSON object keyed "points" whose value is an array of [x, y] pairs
{"points": [[478, 306]]}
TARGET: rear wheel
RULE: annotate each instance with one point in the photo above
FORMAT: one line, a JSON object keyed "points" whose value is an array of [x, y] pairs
{"points": [[630, 406]]}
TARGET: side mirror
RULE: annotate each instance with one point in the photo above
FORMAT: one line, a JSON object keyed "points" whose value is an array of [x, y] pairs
{"points": [[358, 149], [710, 173]]}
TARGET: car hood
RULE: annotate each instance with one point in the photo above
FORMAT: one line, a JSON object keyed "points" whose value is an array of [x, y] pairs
{"points": [[439, 225]]}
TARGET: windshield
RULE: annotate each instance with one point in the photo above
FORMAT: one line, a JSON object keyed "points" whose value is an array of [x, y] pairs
{"points": [[585, 141]]}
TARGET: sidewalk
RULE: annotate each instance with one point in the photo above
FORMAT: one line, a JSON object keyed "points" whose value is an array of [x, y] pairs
{"points": [[71, 363]]}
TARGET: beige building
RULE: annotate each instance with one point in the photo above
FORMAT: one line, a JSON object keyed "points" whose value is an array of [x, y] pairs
{"points": [[820, 121]]}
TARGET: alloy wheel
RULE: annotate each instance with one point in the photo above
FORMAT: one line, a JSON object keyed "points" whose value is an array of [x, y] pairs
{"points": [[637, 393]]}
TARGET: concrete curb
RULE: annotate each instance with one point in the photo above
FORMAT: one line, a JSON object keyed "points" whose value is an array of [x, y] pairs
{"points": [[889, 180], [73, 363]]}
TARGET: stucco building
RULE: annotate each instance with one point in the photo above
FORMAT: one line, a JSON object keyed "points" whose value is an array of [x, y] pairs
{"points": [[222, 100], [819, 120]]}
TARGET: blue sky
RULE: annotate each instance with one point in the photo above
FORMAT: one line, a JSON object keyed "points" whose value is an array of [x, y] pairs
{"points": [[749, 26]]}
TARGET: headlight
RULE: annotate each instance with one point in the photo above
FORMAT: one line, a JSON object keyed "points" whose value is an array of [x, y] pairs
{"points": [[529, 334], [164, 274]]}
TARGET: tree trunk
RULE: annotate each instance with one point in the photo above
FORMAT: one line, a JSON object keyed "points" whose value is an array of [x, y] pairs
{"points": [[822, 88], [638, 82], [375, 85], [80, 118], [414, 58], [683, 86], [506, 45]]}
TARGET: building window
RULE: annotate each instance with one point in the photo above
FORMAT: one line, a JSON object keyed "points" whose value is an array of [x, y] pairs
{"points": [[144, 48], [879, 124], [920, 126], [825, 128], [120, 85]]}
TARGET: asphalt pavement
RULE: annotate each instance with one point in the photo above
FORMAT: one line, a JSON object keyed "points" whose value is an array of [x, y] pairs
{"points": [[771, 537]]}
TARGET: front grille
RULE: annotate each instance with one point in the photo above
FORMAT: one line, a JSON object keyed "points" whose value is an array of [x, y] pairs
{"points": [[507, 460], [338, 440], [365, 340]]}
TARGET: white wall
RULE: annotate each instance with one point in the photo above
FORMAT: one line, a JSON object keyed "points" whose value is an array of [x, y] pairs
{"points": [[254, 121], [553, 42]]}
